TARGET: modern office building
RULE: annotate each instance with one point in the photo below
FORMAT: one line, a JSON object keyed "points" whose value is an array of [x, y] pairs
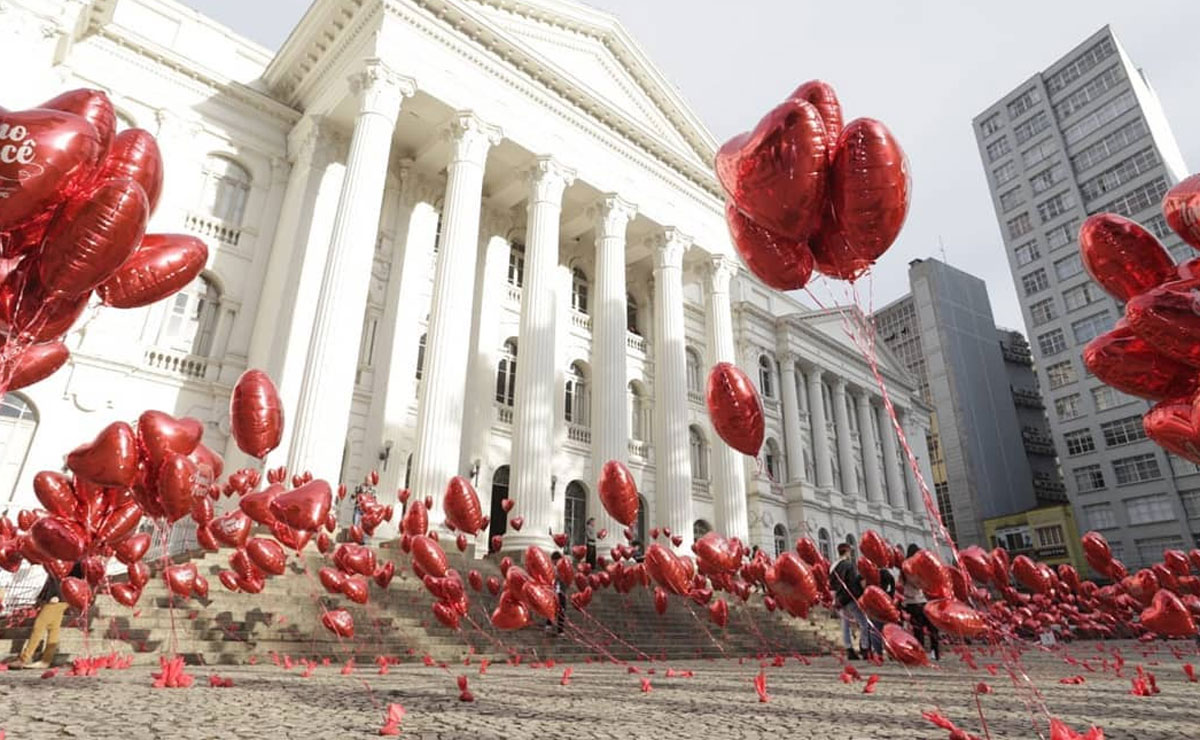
{"points": [[1088, 135], [990, 447]]}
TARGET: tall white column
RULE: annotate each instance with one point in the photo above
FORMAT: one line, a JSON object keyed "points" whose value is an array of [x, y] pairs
{"points": [[792, 439], [323, 412], [866, 429], [610, 408], [818, 424], [672, 474], [537, 390], [891, 459], [841, 423], [729, 480], [447, 345]]}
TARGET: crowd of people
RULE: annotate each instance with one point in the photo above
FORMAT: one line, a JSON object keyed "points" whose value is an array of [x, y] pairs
{"points": [[847, 585]]}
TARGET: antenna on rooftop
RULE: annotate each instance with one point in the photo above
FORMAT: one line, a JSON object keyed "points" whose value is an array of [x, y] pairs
{"points": [[942, 249]]}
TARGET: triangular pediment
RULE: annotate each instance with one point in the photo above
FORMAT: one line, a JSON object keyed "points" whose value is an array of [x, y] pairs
{"points": [[831, 323], [594, 52]]}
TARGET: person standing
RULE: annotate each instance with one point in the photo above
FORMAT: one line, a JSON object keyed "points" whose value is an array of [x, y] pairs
{"points": [[914, 601], [560, 592], [46, 625], [847, 587], [590, 540]]}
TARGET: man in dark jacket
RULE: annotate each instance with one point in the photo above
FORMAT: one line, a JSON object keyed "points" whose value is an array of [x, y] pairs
{"points": [[847, 587]]}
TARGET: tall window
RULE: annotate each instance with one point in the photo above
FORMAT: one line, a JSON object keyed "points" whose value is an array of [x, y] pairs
{"points": [[998, 148], [1079, 442], [781, 539], [421, 356], [764, 377], [1087, 329], [575, 408], [575, 513], [1069, 407], [1042, 312], [1123, 431], [1052, 342], [1020, 225], [18, 422], [991, 124], [1068, 267], [506, 373], [631, 315], [516, 264], [226, 189], [579, 291], [1089, 478], [771, 460], [1035, 282], [1061, 373], [1054, 207], [823, 543], [699, 454], [637, 412], [1027, 253], [1107, 398], [191, 318], [1082, 295], [695, 378]]}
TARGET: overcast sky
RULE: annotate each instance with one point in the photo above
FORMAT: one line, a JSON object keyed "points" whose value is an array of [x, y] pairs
{"points": [[924, 67]]}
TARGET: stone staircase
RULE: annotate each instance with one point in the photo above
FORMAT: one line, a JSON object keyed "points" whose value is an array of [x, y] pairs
{"points": [[285, 619]]}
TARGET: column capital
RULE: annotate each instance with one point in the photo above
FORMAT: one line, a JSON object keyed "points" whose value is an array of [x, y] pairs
{"points": [[814, 375], [612, 214], [547, 179], [839, 385], [668, 246], [315, 141], [380, 89], [863, 398], [721, 270], [471, 138], [787, 359]]}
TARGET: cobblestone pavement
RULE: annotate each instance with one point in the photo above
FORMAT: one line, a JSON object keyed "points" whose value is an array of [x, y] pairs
{"points": [[606, 701]]}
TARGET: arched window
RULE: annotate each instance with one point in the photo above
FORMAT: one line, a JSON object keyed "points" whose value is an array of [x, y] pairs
{"points": [[699, 454], [781, 539], [764, 377], [191, 318], [771, 460], [637, 412], [575, 513], [506, 373], [516, 264], [631, 315], [579, 291], [643, 516], [498, 524], [695, 376], [226, 189], [575, 407], [18, 422], [421, 356], [823, 543], [700, 528]]}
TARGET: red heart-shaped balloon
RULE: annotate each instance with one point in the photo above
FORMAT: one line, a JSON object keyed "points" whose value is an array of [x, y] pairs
{"points": [[93, 234], [734, 408], [927, 573], [821, 96], [256, 415], [618, 492], [781, 262], [1029, 575], [109, 460], [955, 617], [507, 504], [44, 156], [510, 613], [304, 507], [1168, 317], [119, 523], [36, 363], [355, 589], [125, 593], [541, 599], [1181, 208], [978, 563], [717, 554], [878, 605], [383, 576], [163, 265], [869, 187], [461, 505], [33, 313], [58, 538], [776, 174], [160, 433], [1122, 256], [903, 647], [55, 492], [92, 106], [1172, 425], [176, 483], [792, 584], [875, 548], [209, 465], [538, 565], [268, 555], [1167, 616], [257, 505], [445, 614], [1097, 552], [667, 569], [77, 593], [516, 523], [181, 579], [339, 622], [135, 156], [429, 556], [131, 549], [1129, 363], [232, 529]]}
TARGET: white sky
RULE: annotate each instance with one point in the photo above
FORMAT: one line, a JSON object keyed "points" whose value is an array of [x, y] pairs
{"points": [[924, 67]]}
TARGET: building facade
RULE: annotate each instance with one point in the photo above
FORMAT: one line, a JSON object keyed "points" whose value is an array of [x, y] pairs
{"points": [[988, 435], [464, 237], [1088, 135]]}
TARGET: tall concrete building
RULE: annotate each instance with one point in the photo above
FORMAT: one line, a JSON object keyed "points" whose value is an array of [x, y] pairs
{"points": [[1083, 136], [986, 441]]}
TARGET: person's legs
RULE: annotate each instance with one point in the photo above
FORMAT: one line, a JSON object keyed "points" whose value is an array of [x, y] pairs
{"points": [[876, 640], [864, 628], [845, 628], [591, 554], [40, 628], [55, 622], [933, 638], [562, 611]]}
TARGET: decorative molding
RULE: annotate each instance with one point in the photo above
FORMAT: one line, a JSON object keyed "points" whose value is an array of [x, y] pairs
{"points": [[612, 215], [471, 138], [721, 270], [547, 179], [380, 89], [668, 246]]}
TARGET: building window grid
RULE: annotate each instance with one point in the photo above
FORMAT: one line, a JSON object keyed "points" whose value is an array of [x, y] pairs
{"points": [[1138, 199], [1068, 267], [1061, 373], [1106, 113], [1150, 550], [1043, 312], [1088, 478], [1050, 535], [1097, 86], [1090, 327], [1039, 152], [1052, 342], [1027, 253], [1045, 179], [1005, 172], [1136, 469], [1122, 173], [1079, 442], [1080, 66], [1035, 282], [1024, 103], [1126, 136], [1052, 208], [1082, 295], [998, 148], [1149, 509], [1031, 128], [1069, 407], [1063, 235], [1105, 398], [1157, 225], [1011, 199], [1123, 431], [991, 124], [1020, 225], [1100, 516], [1191, 503]]}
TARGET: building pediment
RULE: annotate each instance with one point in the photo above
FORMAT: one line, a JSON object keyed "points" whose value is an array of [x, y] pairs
{"points": [[831, 324]]}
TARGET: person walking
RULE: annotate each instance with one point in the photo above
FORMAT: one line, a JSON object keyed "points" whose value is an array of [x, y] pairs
{"points": [[913, 600], [560, 591], [46, 625], [847, 587], [590, 540]]}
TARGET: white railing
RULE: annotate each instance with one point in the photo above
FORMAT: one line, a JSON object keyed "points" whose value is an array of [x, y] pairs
{"points": [[504, 413], [696, 397], [581, 320], [579, 433], [699, 487], [179, 364], [211, 228], [639, 449], [635, 342], [514, 294]]}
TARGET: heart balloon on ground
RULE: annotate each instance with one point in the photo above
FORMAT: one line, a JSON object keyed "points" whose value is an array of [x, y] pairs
{"points": [[734, 408]]}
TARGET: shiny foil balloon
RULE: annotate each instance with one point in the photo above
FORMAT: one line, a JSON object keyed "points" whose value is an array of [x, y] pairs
{"points": [[160, 433], [1167, 616], [1172, 425], [256, 414], [305, 507], [667, 569], [461, 505], [903, 647], [792, 583], [92, 106], [821, 96], [955, 617], [135, 156], [163, 265], [776, 174], [34, 364], [779, 261], [1097, 552], [1181, 208], [109, 460], [734, 408], [869, 187], [30, 312], [45, 155], [835, 257], [1129, 363], [1168, 317], [618, 492], [1124, 258], [978, 563], [92, 236], [875, 548]]}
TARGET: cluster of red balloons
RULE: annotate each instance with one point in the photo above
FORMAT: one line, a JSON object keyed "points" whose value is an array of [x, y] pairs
{"points": [[75, 198], [1152, 352], [805, 190]]}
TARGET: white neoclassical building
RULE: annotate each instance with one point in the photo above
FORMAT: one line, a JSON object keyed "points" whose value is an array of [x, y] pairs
{"points": [[474, 237]]}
